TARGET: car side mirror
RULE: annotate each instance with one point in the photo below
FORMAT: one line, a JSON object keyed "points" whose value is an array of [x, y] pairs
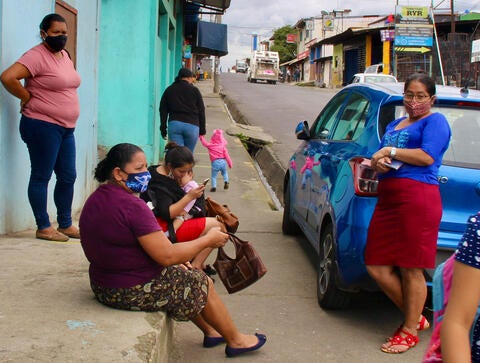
{"points": [[302, 131]]}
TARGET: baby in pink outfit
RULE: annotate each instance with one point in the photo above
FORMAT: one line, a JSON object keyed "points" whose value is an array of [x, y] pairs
{"points": [[219, 157]]}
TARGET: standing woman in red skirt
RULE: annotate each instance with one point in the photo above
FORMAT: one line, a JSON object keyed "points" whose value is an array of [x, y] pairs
{"points": [[403, 232]]}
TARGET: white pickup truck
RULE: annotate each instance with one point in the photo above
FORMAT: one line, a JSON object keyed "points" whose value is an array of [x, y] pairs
{"points": [[264, 66]]}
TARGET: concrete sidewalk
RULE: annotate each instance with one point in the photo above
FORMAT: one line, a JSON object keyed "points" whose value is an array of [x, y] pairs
{"points": [[48, 312]]}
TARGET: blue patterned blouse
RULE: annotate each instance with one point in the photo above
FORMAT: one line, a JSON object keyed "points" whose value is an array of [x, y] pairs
{"points": [[431, 134]]}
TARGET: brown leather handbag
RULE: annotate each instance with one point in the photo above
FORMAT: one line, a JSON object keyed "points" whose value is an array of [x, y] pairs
{"points": [[243, 270], [222, 213]]}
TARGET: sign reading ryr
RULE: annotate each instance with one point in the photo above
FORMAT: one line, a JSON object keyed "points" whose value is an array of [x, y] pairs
{"points": [[413, 30], [414, 12]]}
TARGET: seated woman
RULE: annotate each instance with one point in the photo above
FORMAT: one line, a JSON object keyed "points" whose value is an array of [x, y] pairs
{"points": [[170, 201], [134, 266]]}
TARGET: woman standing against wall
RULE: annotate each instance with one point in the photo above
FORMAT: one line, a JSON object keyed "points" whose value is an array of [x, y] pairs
{"points": [[50, 108]]}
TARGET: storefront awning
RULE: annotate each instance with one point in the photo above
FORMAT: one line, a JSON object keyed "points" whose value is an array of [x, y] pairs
{"points": [[290, 62], [211, 39], [346, 35], [215, 5]]}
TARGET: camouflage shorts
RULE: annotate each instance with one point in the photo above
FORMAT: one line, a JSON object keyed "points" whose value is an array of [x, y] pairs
{"points": [[181, 293]]}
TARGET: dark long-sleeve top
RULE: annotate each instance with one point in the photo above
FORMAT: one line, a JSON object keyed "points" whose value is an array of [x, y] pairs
{"points": [[183, 102], [164, 191]]}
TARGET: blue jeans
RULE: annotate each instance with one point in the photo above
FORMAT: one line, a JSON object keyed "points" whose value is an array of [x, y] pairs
{"points": [[183, 134], [51, 148], [219, 165]]}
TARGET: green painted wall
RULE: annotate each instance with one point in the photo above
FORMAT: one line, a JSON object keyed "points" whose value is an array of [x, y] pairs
{"points": [[140, 53]]}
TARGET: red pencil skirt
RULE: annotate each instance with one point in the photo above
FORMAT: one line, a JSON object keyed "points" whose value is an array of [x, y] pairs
{"points": [[403, 231], [188, 231]]}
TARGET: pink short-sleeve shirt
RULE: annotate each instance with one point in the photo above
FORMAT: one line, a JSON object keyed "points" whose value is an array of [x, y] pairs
{"points": [[53, 87]]}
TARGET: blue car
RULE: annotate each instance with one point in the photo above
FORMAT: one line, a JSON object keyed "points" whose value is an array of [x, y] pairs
{"points": [[330, 189]]}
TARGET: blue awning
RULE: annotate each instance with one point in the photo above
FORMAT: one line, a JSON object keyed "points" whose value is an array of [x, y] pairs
{"points": [[211, 39]]}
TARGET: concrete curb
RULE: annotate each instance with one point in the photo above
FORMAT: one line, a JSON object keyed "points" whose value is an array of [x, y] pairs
{"points": [[272, 169]]}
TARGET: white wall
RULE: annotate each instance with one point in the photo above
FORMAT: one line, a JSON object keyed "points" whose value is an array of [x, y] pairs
{"points": [[19, 21]]}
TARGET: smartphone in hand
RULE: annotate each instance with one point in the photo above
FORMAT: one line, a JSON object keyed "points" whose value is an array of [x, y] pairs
{"points": [[395, 164], [205, 182]]}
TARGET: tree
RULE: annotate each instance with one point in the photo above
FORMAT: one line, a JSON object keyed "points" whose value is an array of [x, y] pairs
{"points": [[286, 51]]}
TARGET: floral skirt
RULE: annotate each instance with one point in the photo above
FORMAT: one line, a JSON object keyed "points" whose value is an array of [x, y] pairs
{"points": [[181, 293]]}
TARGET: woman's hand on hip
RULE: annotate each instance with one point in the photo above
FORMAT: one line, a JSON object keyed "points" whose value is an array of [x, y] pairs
{"points": [[24, 101]]}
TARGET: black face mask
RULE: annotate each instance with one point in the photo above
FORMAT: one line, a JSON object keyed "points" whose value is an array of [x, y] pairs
{"points": [[56, 43]]}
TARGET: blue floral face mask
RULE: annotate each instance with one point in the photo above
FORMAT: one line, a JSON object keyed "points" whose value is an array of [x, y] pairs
{"points": [[138, 182]]}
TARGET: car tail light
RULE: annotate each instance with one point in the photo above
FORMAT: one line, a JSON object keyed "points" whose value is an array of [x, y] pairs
{"points": [[468, 104], [364, 176]]}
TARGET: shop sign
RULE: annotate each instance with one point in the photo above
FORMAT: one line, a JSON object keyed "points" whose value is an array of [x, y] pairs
{"points": [[291, 38], [476, 51], [413, 27], [303, 55]]}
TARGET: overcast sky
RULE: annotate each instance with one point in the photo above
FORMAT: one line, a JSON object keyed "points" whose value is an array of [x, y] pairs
{"points": [[245, 17]]}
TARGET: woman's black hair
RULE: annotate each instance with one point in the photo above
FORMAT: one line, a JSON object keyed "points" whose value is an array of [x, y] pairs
{"points": [[177, 156], [184, 73], [49, 19], [423, 78], [118, 156]]}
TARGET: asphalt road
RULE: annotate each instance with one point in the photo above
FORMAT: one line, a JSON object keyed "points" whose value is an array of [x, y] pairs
{"points": [[276, 108]]}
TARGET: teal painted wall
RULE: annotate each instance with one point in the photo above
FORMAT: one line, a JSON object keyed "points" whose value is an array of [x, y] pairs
{"points": [[140, 53]]}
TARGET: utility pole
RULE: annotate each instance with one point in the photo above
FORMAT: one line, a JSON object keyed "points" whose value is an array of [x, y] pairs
{"points": [[216, 81], [452, 17]]}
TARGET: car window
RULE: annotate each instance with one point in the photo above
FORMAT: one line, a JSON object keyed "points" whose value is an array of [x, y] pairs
{"points": [[465, 142], [322, 127], [352, 121], [379, 79], [387, 114]]}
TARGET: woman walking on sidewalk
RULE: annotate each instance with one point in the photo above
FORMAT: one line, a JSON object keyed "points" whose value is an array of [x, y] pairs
{"points": [[183, 110], [50, 108], [133, 265]]}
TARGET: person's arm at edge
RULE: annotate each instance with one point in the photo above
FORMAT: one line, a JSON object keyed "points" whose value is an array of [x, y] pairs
{"points": [[163, 115], [201, 114], [11, 81], [160, 249], [460, 312], [204, 141]]}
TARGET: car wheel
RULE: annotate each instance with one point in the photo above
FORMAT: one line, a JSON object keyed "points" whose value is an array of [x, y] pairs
{"points": [[328, 294], [289, 226]]}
